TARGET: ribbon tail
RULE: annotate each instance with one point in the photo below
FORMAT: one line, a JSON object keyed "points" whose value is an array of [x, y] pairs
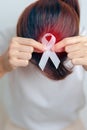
{"points": [[44, 60], [55, 59]]}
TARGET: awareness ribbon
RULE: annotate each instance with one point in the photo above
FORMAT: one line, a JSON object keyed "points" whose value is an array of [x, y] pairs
{"points": [[48, 53]]}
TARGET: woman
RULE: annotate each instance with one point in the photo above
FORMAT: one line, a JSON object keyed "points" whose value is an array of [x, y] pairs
{"points": [[48, 99]]}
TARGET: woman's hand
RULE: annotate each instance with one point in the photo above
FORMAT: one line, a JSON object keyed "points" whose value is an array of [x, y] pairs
{"points": [[20, 52], [76, 47]]}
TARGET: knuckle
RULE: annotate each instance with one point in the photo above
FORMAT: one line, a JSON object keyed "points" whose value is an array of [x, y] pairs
{"points": [[69, 56], [12, 53], [31, 49], [29, 56], [26, 62], [66, 49], [13, 48], [74, 61], [14, 40], [13, 45]]}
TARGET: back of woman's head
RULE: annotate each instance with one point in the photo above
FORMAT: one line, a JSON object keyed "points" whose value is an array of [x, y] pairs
{"points": [[58, 17], [73, 4]]}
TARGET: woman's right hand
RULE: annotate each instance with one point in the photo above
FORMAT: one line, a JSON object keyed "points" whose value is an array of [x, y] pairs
{"points": [[20, 52]]}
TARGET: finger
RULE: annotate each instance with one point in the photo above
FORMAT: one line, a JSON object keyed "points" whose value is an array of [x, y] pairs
{"points": [[23, 48], [74, 47], [29, 42], [19, 55], [38, 51], [77, 54], [80, 61], [69, 41], [18, 62], [27, 49], [24, 56]]}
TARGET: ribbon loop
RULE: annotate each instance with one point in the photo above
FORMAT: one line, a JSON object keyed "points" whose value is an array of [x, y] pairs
{"points": [[48, 53]]}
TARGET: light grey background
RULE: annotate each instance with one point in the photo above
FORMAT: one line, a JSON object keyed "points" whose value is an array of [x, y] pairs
{"points": [[10, 10]]}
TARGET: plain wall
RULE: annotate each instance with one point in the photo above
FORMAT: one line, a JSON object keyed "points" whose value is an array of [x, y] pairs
{"points": [[10, 10]]}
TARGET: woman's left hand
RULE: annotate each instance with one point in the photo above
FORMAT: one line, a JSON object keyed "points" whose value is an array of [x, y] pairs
{"points": [[76, 47]]}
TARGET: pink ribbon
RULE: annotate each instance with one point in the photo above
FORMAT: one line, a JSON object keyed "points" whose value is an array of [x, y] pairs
{"points": [[48, 53]]}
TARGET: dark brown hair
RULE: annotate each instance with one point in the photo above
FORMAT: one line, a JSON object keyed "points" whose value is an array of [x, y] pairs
{"points": [[59, 17], [73, 4]]}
